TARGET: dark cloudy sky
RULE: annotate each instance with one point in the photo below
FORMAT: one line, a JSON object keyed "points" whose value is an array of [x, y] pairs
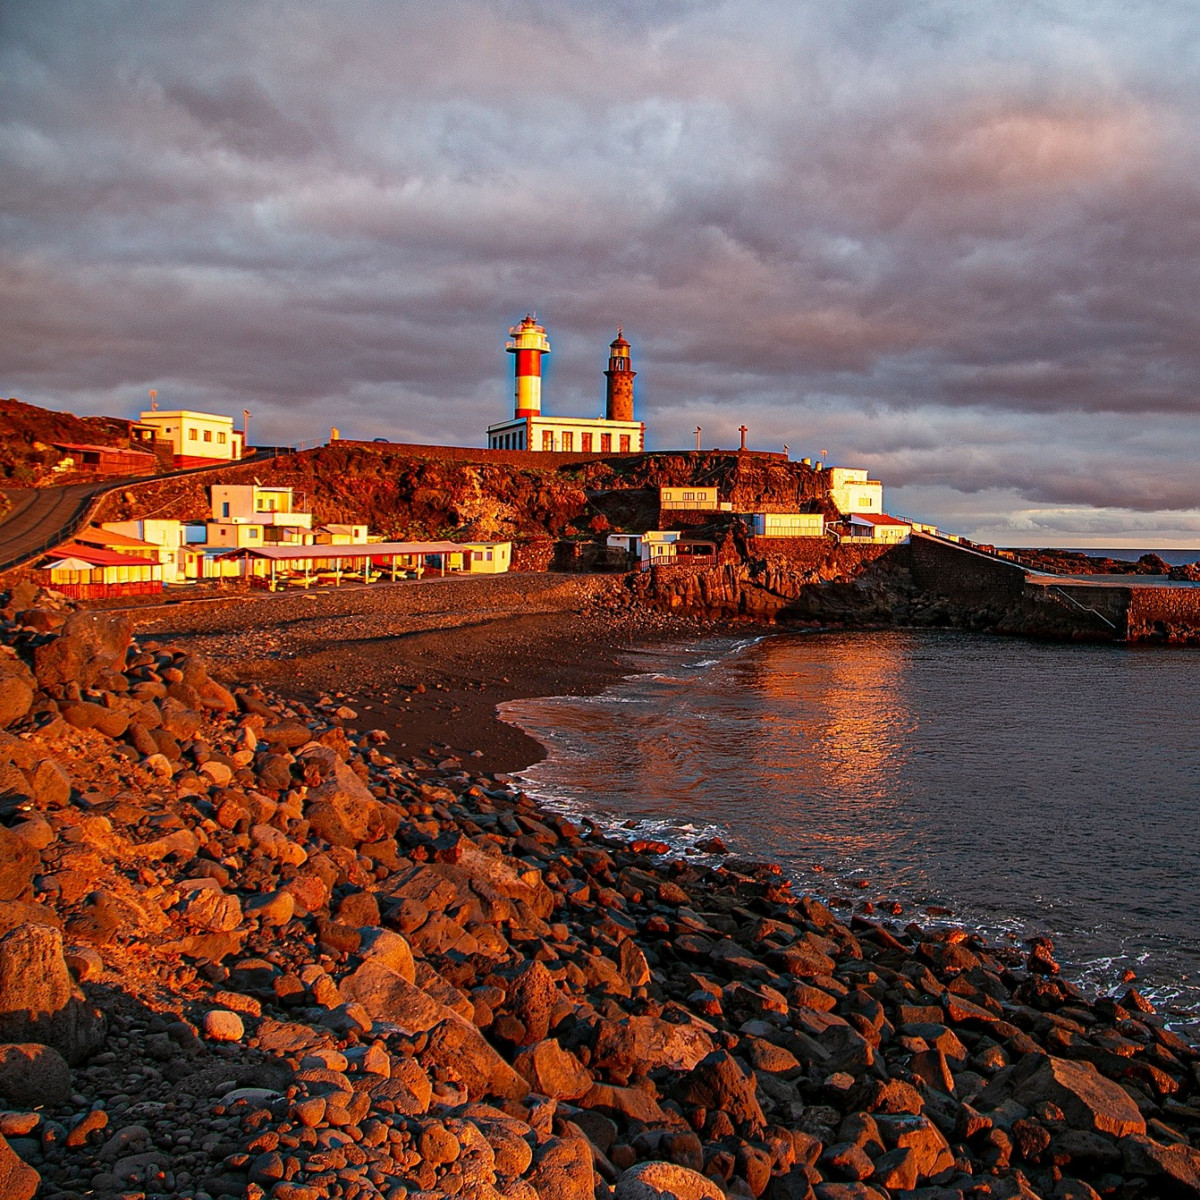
{"points": [[955, 242]]}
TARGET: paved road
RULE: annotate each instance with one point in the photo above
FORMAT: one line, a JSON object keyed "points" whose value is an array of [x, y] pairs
{"points": [[1041, 579], [39, 516]]}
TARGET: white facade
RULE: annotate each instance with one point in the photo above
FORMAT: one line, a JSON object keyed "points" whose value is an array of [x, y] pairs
{"points": [[853, 491], [253, 515], [880, 529], [487, 558], [568, 435], [168, 535], [196, 434], [787, 525], [703, 499], [341, 535], [658, 547]]}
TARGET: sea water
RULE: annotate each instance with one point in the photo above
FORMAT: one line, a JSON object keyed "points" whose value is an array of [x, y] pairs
{"points": [[1030, 788]]}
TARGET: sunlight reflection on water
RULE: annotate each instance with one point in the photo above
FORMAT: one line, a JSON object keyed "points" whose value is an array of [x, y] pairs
{"points": [[1030, 787]]}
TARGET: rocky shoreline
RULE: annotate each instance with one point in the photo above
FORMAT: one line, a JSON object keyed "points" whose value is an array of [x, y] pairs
{"points": [[247, 951]]}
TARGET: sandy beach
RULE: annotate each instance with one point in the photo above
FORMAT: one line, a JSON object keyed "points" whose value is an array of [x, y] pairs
{"points": [[430, 662]]}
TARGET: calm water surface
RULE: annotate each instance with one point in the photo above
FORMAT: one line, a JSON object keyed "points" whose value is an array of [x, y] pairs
{"points": [[1030, 788]]}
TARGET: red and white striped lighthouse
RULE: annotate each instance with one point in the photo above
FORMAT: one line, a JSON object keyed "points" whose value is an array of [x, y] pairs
{"points": [[528, 344]]}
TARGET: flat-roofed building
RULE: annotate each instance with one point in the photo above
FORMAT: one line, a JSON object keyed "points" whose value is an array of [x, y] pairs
{"points": [[853, 491], [878, 528], [254, 514], [487, 558], [196, 437], [688, 498], [786, 525]]}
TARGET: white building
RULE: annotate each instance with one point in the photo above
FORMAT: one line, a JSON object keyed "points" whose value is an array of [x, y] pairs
{"points": [[852, 491], [568, 435], [530, 429], [878, 528], [487, 558], [786, 525], [659, 547], [168, 535], [691, 498], [339, 534], [202, 437], [251, 515]]}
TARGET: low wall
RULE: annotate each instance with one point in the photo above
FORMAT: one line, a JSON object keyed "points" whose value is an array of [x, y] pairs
{"points": [[957, 573], [1158, 612], [546, 459], [816, 554]]}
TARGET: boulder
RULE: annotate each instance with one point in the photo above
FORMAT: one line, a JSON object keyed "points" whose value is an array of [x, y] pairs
{"points": [[51, 784], [388, 949], [221, 1025], [639, 1045], [18, 863], [205, 906], [18, 1180], [553, 1071], [32, 1074], [531, 998], [17, 686], [88, 644], [563, 1170], [1176, 1167], [650, 1180], [717, 1082], [1088, 1100], [342, 810], [39, 1002], [457, 1046]]}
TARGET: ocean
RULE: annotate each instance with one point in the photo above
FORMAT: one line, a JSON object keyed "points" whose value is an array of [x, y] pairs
{"points": [[1028, 788]]}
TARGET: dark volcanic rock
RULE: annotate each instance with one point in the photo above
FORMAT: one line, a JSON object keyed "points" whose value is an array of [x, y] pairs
{"points": [[39, 1002], [88, 644]]}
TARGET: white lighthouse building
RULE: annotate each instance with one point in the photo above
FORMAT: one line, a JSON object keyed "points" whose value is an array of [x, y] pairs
{"points": [[614, 433]]}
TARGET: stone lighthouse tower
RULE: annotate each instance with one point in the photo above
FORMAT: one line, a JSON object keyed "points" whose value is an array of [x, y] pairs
{"points": [[529, 342], [620, 373]]}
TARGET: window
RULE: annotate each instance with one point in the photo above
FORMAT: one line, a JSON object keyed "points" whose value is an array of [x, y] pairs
{"points": [[220, 439], [585, 442], [252, 532], [547, 440], [605, 443], [225, 508], [208, 435], [192, 435], [568, 441], [489, 556], [624, 443]]}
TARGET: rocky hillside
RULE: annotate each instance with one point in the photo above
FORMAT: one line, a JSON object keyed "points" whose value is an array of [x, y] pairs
{"points": [[26, 434], [245, 952], [408, 493]]}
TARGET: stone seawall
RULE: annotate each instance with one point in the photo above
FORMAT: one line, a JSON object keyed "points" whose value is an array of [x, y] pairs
{"points": [[962, 574], [1170, 612]]}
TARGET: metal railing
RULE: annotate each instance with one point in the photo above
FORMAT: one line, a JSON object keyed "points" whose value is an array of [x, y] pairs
{"points": [[1055, 590]]}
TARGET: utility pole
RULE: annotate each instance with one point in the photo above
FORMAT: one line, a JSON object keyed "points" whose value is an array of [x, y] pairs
{"points": [[697, 437], [153, 400], [245, 431]]}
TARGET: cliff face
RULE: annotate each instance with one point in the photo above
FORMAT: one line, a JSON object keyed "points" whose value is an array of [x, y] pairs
{"points": [[402, 493], [26, 434]]}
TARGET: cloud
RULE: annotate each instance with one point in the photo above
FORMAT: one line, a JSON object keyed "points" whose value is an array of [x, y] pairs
{"points": [[952, 242]]}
